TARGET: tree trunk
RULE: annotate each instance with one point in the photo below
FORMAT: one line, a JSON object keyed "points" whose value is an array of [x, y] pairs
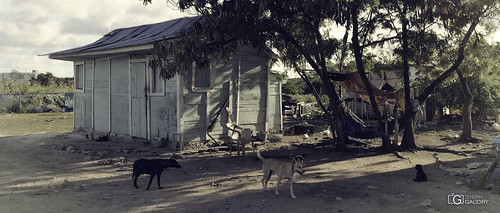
{"points": [[408, 141], [485, 178], [338, 114], [358, 55], [337, 118], [335, 103], [460, 57], [331, 120], [19, 96], [408, 137], [466, 110]]}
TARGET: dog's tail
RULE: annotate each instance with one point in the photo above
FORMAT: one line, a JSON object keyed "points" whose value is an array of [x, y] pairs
{"points": [[259, 155]]}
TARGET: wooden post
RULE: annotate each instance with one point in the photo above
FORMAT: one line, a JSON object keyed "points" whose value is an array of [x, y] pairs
{"points": [[231, 147], [362, 104], [395, 144], [238, 143], [355, 104], [385, 115]]}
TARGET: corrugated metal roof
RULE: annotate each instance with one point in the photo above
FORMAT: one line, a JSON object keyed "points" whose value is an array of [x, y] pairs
{"points": [[133, 36]]}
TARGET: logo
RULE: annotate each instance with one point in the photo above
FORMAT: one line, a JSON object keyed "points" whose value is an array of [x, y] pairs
{"points": [[457, 199]]}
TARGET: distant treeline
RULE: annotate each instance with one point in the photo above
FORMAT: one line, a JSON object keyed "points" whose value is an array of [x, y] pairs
{"points": [[49, 80]]}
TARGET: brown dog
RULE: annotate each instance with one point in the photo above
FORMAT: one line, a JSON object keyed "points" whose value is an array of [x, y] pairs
{"points": [[152, 167], [283, 170]]}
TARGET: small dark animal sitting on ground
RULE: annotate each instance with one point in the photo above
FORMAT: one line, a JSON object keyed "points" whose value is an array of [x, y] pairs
{"points": [[421, 176], [152, 167]]}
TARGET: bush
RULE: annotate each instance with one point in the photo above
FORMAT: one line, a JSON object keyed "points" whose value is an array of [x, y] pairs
{"points": [[13, 107], [34, 103], [33, 109]]}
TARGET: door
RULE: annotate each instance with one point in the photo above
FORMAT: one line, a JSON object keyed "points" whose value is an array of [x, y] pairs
{"points": [[138, 100]]}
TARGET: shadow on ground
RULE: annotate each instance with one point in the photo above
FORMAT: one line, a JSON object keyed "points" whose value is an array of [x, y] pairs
{"points": [[40, 179]]}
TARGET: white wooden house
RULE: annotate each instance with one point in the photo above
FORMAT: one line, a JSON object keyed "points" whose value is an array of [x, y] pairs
{"points": [[116, 91]]}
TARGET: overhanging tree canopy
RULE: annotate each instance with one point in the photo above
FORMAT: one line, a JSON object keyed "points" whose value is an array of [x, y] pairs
{"points": [[299, 31]]}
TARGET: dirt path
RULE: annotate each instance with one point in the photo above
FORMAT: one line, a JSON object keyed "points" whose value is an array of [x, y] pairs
{"points": [[62, 172]]}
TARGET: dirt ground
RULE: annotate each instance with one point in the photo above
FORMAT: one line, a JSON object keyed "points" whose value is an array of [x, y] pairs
{"points": [[64, 172]]}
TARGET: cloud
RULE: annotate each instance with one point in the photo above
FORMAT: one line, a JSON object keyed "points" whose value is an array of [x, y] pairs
{"points": [[79, 26], [29, 28]]}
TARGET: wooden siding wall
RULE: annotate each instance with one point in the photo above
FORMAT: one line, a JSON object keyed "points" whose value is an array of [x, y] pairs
{"points": [[218, 96], [138, 102], [253, 89], [201, 107], [164, 110], [246, 72], [275, 116], [105, 103], [83, 100], [120, 95], [101, 95], [89, 102], [195, 112]]}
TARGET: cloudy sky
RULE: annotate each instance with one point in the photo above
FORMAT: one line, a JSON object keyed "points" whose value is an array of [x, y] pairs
{"points": [[29, 28]]}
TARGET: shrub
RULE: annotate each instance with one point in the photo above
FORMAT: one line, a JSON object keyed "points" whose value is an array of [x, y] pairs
{"points": [[34, 103], [13, 107]]}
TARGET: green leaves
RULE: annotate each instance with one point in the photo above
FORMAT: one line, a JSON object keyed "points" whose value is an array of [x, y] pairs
{"points": [[201, 44]]}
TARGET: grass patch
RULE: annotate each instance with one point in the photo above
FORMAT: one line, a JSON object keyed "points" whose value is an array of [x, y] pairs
{"points": [[31, 123]]}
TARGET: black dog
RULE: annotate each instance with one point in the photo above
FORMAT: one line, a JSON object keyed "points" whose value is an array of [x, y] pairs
{"points": [[421, 176], [152, 167]]}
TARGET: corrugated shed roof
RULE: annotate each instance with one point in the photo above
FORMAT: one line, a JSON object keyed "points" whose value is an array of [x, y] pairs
{"points": [[133, 36]]}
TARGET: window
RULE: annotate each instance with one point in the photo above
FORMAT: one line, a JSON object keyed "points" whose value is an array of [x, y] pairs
{"points": [[203, 78], [157, 84], [79, 77]]}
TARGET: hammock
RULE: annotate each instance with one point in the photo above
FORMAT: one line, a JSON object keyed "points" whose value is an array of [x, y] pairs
{"points": [[355, 127]]}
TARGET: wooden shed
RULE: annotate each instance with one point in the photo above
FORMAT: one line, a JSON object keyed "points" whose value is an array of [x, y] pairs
{"points": [[116, 91]]}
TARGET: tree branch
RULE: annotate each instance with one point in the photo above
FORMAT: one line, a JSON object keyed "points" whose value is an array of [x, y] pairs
{"points": [[319, 40], [343, 53], [429, 89], [308, 82], [379, 41], [299, 47], [366, 28]]}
